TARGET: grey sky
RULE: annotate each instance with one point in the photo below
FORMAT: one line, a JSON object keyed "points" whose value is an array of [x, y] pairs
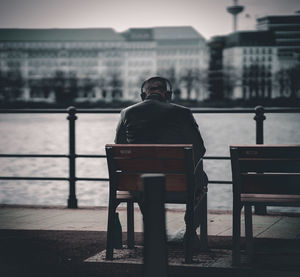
{"points": [[209, 17]]}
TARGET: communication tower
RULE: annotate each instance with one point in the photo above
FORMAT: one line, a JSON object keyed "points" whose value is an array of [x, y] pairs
{"points": [[235, 10]]}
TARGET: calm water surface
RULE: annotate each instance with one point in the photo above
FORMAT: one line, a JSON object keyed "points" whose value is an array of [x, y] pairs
{"points": [[48, 134]]}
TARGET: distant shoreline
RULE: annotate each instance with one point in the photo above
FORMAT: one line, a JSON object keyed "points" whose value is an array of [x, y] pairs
{"points": [[277, 102]]}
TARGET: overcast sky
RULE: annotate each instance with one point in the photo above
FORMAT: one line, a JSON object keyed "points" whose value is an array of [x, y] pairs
{"points": [[209, 17]]}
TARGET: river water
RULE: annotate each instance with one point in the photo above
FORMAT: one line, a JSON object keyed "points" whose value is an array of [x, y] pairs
{"points": [[48, 134]]}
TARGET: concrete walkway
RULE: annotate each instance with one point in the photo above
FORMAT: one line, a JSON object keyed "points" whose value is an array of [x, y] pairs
{"points": [[95, 219]]}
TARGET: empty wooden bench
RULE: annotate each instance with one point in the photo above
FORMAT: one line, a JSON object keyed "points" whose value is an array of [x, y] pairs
{"points": [[126, 164], [262, 174]]}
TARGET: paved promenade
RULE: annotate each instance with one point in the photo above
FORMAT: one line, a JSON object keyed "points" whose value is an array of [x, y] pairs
{"points": [[56, 241], [95, 219]]}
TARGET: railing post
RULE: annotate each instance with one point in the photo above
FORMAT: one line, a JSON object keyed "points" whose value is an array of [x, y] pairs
{"points": [[155, 246], [72, 201], [259, 118]]}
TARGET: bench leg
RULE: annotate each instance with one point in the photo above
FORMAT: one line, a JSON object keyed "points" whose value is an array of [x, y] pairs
{"points": [[203, 224], [249, 232], [110, 230], [130, 225], [236, 233]]}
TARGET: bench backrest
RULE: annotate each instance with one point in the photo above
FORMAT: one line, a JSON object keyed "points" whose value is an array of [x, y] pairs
{"points": [[127, 162], [266, 169]]}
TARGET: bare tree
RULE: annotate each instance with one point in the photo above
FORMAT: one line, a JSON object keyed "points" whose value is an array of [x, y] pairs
{"points": [[254, 83], [289, 78], [87, 85], [280, 80], [216, 84], [73, 85], [14, 83], [116, 84], [230, 79], [102, 84], [3, 85], [190, 79], [58, 84]]}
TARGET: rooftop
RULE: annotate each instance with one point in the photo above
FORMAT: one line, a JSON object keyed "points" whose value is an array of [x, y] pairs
{"points": [[176, 32], [163, 33], [250, 38], [101, 34], [277, 19], [93, 34]]}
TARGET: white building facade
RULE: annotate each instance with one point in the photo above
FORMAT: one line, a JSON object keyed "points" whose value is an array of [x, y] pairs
{"points": [[94, 64]]}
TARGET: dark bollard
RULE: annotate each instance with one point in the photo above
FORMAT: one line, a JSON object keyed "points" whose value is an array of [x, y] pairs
{"points": [[155, 247], [259, 118], [72, 201]]}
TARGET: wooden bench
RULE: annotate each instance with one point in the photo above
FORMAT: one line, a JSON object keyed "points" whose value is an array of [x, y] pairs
{"points": [[126, 164], [262, 174]]}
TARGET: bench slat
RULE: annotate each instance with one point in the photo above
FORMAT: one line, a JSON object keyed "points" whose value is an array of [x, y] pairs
{"points": [[124, 196], [268, 151], [271, 199], [271, 183], [270, 165], [148, 150], [150, 165], [133, 182]]}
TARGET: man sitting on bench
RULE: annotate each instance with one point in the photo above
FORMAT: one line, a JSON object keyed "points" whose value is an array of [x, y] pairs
{"points": [[155, 120]]}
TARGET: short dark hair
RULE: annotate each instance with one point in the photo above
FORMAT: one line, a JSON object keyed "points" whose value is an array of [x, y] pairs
{"points": [[162, 81]]}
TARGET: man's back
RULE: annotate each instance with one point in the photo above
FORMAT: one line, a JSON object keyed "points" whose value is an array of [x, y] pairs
{"points": [[156, 121]]}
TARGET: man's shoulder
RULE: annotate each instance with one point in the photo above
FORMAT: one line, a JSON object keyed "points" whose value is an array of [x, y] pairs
{"points": [[131, 107], [180, 108], [159, 105]]}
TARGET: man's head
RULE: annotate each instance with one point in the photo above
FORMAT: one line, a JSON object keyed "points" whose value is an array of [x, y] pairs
{"points": [[157, 85]]}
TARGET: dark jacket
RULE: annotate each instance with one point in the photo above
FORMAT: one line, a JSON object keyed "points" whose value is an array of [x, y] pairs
{"points": [[155, 121]]}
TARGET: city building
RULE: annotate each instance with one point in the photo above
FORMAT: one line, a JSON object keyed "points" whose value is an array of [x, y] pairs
{"points": [[249, 64], [51, 64], [286, 30], [98, 64], [262, 63]]}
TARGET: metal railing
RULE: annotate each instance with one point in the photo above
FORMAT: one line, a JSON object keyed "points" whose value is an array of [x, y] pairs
{"points": [[259, 117]]}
